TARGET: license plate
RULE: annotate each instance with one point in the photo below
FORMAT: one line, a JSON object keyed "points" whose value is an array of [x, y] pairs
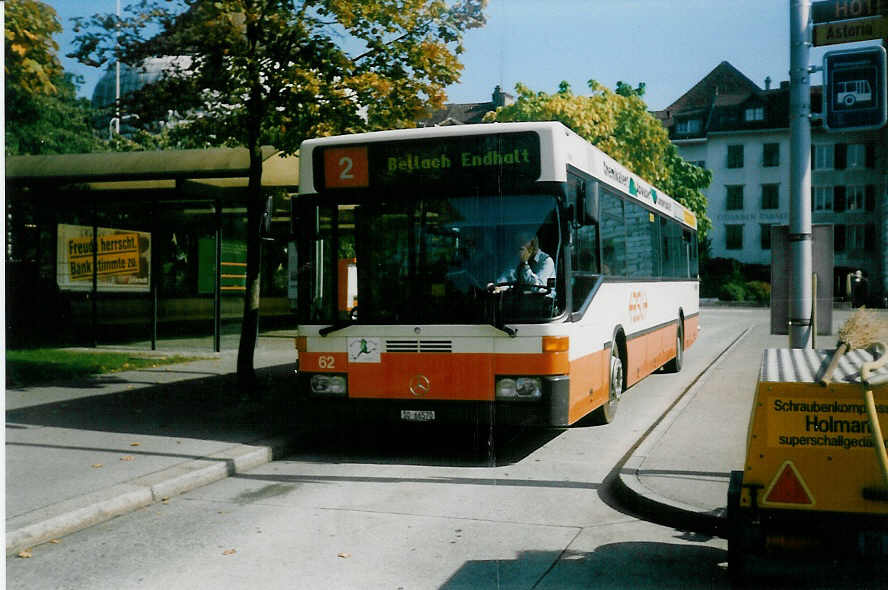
{"points": [[418, 415]]}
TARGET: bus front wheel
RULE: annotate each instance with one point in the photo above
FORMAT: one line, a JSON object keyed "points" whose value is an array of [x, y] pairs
{"points": [[674, 366], [607, 412]]}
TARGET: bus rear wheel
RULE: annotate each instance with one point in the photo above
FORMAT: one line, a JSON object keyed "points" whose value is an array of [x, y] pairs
{"points": [[607, 412]]}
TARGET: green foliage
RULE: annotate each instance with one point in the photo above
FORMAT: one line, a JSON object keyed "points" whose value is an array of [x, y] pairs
{"points": [[31, 62], [43, 113], [277, 71], [59, 123], [620, 125], [729, 280], [759, 291], [733, 291]]}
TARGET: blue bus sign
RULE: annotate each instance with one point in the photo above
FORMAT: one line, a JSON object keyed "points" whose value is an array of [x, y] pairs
{"points": [[854, 95]]}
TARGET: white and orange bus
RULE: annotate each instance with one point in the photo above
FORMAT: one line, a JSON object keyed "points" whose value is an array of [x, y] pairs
{"points": [[400, 268]]}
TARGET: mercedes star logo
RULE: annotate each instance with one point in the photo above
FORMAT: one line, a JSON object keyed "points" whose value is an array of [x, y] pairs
{"points": [[420, 385]]}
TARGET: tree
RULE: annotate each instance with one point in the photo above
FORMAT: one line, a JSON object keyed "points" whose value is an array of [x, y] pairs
{"points": [[42, 109], [31, 62], [252, 72], [621, 126]]}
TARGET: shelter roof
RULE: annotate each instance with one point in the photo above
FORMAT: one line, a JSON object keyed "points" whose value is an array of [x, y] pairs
{"points": [[219, 167]]}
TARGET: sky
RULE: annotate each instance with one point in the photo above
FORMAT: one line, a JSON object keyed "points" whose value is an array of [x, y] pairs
{"points": [[670, 45]]}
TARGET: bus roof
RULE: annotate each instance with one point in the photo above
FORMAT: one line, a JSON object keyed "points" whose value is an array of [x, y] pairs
{"points": [[559, 148]]}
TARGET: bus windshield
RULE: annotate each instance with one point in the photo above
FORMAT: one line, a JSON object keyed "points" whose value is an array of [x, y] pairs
{"points": [[436, 260]]}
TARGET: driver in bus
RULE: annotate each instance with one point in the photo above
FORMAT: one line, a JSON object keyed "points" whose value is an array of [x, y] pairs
{"points": [[534, 267]]}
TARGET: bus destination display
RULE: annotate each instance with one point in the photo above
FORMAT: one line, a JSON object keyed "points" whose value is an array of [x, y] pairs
{"points": [[508, 157]]}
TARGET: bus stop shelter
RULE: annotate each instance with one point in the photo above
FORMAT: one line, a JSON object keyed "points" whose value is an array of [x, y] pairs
{"points": [[110, 247]]}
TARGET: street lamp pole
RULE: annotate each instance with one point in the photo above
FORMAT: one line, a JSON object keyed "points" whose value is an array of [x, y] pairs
{"points": [[800, 236]]}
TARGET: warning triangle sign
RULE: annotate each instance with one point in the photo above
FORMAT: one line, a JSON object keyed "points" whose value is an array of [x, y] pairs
{"points": [[788, 487]]}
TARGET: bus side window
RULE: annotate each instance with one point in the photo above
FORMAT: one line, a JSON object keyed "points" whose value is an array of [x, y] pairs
{"points": [[613, 234], [585, 229]]}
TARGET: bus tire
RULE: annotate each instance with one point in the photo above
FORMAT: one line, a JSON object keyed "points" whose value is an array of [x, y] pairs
{"points": [[606, 413], [674, 366]]}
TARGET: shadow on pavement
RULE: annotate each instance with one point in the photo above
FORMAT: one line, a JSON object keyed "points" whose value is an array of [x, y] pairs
{"points": [[657, 565], [201, 408], [617, 565], [350, 440]]}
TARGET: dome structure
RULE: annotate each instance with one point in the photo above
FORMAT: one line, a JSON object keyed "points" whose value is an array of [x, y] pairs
{"points": [[133, 78]]}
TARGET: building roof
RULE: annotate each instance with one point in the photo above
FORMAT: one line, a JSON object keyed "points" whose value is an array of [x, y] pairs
{"points": [[726, 100], [466, 113], [724, 79]]}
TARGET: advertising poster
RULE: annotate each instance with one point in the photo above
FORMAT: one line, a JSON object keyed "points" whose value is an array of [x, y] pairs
{"points": [[123, 261]]}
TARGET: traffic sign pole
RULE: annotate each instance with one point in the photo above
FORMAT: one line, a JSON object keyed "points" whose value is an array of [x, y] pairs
{"points": [[801, 300]]}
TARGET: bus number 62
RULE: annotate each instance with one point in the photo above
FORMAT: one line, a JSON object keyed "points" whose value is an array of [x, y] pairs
{"points": [[326, 362]]}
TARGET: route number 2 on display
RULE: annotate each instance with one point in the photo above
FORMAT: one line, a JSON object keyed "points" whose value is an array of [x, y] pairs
{"points": [[346, 167]]}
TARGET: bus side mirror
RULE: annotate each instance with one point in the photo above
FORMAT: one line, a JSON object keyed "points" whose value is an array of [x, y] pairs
{"points": [[265, 227]]}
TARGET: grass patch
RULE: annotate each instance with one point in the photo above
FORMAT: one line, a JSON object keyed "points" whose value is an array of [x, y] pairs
{"points": [[44, 365]]}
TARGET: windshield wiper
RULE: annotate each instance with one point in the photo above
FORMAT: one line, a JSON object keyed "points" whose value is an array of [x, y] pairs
{"points": [[512, 332], [339, 325], [495, 311]]}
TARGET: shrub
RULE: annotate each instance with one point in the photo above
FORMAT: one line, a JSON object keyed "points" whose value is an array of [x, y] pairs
{"points": [[733, 291], [759, 291]]}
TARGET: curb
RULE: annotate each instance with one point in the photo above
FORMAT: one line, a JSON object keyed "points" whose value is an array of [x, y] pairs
{"points": [[642, 499], [63, 518]]}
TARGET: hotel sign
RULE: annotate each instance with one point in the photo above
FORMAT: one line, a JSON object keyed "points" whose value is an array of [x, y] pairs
{"points": [[838, 10]]}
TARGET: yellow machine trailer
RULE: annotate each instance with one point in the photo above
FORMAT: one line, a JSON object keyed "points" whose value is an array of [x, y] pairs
{"points": [[815, 479]]}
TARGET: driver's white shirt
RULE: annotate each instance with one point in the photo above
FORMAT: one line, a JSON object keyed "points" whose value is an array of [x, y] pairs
{"points": [[536, 271]]}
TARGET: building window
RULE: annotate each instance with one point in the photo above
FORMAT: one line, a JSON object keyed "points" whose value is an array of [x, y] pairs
{"points": [[771, 155], [766, 235], [700, 163], [856, 155], [823, 157], [839, 237], [770, 196], [735, 156], [855, 198], [754, 114], [734, 237], [855, 237], [688, 126], [734, 201], [822, 198]]}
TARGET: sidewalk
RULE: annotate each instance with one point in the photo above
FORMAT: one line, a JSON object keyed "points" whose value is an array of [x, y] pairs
{"points": [[82, 453], [680, 471]]}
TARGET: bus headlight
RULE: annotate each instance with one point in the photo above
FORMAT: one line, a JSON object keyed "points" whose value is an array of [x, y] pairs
{"points": [[519, 388], [324, 384]]}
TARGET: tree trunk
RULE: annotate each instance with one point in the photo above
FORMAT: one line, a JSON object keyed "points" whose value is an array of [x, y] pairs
{"points": [[246, 373]]}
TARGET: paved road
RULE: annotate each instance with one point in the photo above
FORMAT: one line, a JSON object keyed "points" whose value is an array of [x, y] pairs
{"points": [[410, 507], [417, 507]]}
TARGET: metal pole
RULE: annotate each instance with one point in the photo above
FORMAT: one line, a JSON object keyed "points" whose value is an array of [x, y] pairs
{"points": [[152, 277], [116, 119], [814, 310], [800, 174], [217, 286], [95, 275]]}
